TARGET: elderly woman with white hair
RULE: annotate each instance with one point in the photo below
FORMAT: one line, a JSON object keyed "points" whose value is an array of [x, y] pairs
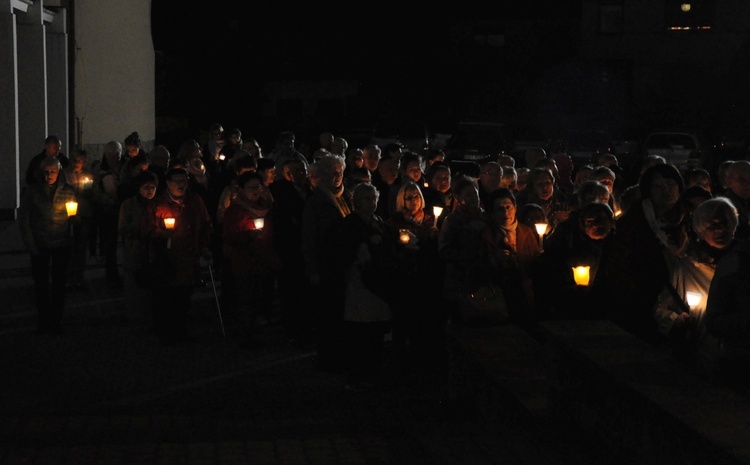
{"points": [[681, 307]]}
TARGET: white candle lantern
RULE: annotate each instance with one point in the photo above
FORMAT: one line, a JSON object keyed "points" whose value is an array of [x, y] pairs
{"points": [[541, 228], [71, 207], [437, 211], [259, 223], [169, 224], [693, 298]]}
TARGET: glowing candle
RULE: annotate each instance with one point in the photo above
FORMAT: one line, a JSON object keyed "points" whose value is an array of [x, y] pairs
{"points": [[403, 236], [71, 207], [437, 211], [541, 228], [87, 183], [259, 223], [169, 224], [693, 298], [581, 275]]}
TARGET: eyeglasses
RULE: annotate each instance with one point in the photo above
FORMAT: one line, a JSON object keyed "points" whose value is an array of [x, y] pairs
{"points": [[411, 198], [254, 187]]}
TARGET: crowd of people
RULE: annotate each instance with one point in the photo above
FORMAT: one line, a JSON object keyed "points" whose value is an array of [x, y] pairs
{"points": [[343, 245]]}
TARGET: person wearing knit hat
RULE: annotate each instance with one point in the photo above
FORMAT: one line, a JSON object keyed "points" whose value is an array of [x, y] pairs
{"points": [[133, 145]]}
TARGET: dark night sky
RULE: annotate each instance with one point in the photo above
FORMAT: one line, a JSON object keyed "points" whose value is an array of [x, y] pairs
{"points": [[214, 58]]}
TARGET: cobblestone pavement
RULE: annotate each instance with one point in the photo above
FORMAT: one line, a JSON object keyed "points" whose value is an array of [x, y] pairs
{"points": [[107, 393]]}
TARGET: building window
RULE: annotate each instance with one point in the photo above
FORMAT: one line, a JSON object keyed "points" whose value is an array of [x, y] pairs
{"points": [[690, 15], [610, 18]]}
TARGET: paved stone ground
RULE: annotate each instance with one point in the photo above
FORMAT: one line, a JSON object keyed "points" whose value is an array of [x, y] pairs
{"points": [[107, 393]]}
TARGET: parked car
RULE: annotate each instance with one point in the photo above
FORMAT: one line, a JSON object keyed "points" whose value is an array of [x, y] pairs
{"points": [[682, 148]]}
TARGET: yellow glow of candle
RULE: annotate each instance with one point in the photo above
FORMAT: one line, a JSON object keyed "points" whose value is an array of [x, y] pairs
{"points": [[437, 211], [541, 228], [169, 223], [693, 298], [71, 207], [259, 223], [403, 236], [581, 275]]}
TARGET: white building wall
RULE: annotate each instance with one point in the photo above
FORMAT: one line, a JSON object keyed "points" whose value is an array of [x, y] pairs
{"points": [[114, 73]]}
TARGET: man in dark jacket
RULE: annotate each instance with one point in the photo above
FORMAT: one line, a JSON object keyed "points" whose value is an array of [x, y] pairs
{"points": [[52, 147]]}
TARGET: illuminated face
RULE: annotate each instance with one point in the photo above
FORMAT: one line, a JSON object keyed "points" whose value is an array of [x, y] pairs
{"points": [[718, 233], [664, 191], [78, 163], [178, 185], [356, 160], [336, 178], [413, 171], [441, 181], [252, 190], [544, 187], [147, 190], [412, 201], [739, 181], [504, 211], [371, 160], [608, 182], [597, 225], [50, 174]]}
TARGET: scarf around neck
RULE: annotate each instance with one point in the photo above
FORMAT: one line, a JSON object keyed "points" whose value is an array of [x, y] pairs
{"points": [[337, 198], [509, 234], [658, 227]]}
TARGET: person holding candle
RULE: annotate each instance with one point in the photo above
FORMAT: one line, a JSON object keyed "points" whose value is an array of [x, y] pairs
{"points": [[542, 190], [46, 233], [418, 328], [438, 191], [249, 250], [81, 179], [636, 264], [174, 254], [410, 169], [714, 222], [511, 248], [578, 241]]}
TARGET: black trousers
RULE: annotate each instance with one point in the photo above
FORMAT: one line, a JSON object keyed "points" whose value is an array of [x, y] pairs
{"points": [[49, 271]]}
